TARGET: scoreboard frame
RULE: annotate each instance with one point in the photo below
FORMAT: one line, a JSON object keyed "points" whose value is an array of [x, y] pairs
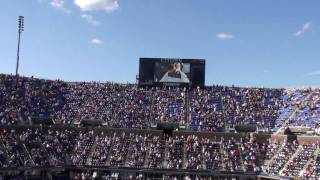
{"points": [[149, 66]]}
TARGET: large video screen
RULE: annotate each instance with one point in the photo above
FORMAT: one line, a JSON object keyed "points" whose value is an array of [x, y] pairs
{"points": [[171, 72]]}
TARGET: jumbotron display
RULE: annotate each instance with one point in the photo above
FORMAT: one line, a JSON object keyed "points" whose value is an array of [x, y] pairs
{"points": [[171, 72]]}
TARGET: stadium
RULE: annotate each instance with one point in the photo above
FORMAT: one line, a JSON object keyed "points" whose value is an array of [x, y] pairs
{"points": [[111, 130], [169, 124]]}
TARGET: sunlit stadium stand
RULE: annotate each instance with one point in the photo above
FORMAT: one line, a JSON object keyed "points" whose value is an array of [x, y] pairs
{"points": [[130, 143]]}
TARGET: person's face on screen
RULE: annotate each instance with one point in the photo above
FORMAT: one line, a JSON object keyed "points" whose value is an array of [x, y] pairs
{"points": [[175, 68]]}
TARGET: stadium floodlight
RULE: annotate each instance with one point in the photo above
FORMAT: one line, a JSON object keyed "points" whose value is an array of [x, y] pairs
{"points": [[20, 30]]}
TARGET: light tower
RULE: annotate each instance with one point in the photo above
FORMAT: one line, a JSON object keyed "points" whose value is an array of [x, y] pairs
{"points": [[20, 30]]}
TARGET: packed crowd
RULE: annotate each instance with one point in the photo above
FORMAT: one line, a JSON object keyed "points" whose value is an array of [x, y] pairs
{"points": [[175, 153], [29, 98], [203, 153], [296, 165], [206, 109], [211, 154], [271, 149], [258, 107], [282, 156], [34, 145], [308, 114], [108, 101], [119, 150], [138, 151], [232, 156], [40, 147], [14, 153], [251, 152], [102, 150], [92, 175], [212, 108], [169, 105], [313, 169], [155, 152], [194, 153], [58, 147], [82, 148]]}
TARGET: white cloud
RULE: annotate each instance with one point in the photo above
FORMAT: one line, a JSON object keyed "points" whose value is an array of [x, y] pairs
{"points": [[304, 28], [59, 4], [96, 5], [96, 41], [90, 19], [224, 36]]}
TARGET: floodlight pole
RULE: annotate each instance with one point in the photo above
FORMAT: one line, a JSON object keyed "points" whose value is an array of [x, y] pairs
{"points": [[20, 30]]}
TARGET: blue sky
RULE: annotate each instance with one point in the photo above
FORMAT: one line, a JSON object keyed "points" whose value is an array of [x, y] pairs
{"points": [[266, 43]]}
